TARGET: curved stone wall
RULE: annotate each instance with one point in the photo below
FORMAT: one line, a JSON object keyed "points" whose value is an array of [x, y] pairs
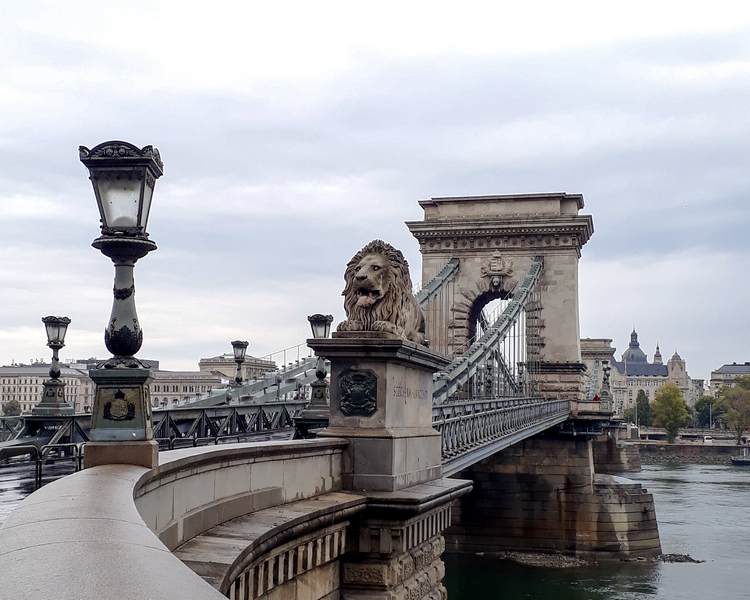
{"points": [[108, 531]]}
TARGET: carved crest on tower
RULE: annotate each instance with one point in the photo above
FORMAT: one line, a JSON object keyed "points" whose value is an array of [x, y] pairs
{"points": [[496, 268]]}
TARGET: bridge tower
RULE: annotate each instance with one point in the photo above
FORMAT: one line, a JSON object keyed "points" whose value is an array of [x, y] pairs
{"points": [[495, 239]]}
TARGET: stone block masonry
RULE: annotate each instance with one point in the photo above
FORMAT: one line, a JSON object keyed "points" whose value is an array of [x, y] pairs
{"points": [[660, 453], [612, 457], [543, 495]]}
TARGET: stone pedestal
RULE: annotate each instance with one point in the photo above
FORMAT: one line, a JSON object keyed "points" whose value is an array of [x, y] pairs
{"points": [[53, 401], [381, 400], [315, 415], [121, 429], [143, 453]]}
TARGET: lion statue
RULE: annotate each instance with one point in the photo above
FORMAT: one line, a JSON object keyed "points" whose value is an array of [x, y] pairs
{"points": [[378, 294]]}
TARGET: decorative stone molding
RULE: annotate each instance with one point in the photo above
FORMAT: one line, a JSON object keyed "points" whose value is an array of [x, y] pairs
{"points": [[289, 561], [521, 234], [388, 536]]}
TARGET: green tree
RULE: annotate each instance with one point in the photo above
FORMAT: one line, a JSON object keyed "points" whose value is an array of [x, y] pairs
{"points": [[629, 415], [670, 410], [12, 408], [644, 409], [735, 401], [707, 410]]}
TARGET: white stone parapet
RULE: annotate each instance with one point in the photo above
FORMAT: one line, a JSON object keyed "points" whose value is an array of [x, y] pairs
{"points": [[108, 531]]}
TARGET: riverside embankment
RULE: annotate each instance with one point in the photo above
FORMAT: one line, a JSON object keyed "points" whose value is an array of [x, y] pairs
{"points": [[685, 453]]}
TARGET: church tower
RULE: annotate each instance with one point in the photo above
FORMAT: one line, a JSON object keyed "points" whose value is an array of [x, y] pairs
{"points": [[657, 356]]}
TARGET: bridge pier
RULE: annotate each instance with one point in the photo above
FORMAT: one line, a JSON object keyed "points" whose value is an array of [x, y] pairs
{"points": [[381, 402], [613, 456], [544, 495]]}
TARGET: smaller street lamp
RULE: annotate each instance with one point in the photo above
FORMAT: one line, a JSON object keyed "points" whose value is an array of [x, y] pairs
{"points": [[605, 394], [320, 325], [53, 398], [316, 413], [239, 348]]}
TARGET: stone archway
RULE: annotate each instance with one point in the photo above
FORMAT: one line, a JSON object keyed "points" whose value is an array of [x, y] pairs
{"points": [[472, 299], [495, 239]]}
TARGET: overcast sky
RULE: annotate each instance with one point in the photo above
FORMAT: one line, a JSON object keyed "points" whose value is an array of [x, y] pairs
{"points": [[294, 133]]}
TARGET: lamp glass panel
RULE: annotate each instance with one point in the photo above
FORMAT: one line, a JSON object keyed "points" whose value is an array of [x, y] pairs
{"points": [[148, 192], [52, 331], [119, 195], [56, 331], [318, 328], [239, 350]]}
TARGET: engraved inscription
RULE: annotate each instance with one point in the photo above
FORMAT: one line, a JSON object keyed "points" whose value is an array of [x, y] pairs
{"points": [[404, 391]]}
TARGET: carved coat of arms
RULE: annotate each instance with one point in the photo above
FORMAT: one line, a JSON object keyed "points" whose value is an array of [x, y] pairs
{"points": [[497, 268], [358, 391], [119, 409]]}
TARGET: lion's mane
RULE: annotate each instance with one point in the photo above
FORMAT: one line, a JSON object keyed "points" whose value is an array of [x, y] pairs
{"points": [[397, 306]]}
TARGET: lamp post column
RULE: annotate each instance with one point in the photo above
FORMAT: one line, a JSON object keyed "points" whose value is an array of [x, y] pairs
{"points": [[239, 348], [123, 177], [53, 402], [316, 414]]}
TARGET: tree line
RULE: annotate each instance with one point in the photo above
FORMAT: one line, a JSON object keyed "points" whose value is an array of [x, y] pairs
{"points": [[730, 409]]}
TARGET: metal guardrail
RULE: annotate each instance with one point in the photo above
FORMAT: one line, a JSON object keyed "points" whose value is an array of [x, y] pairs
{"points": [[473, 430], [39, 456], [219, 422]]}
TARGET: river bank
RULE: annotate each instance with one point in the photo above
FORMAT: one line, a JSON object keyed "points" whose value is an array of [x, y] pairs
{"points": [[663, 453]]}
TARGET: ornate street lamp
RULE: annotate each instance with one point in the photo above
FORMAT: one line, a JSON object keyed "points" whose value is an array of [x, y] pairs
{"points": [[239, 348], [123, 177], [53, 398], [316, 413]]}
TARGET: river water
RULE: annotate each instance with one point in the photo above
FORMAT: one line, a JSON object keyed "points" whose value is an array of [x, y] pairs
{"points": [[702, 510]]}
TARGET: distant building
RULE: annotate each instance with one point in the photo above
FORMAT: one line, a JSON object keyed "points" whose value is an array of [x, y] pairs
{"points": [[727, 374], [171, 389], [24, 383], [633, 372], [252, 368]]}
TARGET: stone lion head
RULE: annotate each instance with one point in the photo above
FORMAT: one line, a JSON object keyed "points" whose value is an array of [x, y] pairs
{"points": [[378, 293]]}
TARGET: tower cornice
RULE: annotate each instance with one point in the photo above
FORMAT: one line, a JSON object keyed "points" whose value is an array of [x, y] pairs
{"points": [[565, 231]]}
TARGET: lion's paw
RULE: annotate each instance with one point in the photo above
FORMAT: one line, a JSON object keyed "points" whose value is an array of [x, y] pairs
{"points": [[387, 327], [349, 325]]}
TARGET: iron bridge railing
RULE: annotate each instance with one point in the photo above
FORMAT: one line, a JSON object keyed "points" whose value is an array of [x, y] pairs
{"points": [[471, 431], [223, 423]]}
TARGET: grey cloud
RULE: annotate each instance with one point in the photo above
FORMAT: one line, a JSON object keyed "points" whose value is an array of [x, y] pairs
{"points": [[651, 156]]}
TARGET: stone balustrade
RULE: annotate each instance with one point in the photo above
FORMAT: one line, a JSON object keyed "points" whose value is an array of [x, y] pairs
{"points": [[109, 531]]}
